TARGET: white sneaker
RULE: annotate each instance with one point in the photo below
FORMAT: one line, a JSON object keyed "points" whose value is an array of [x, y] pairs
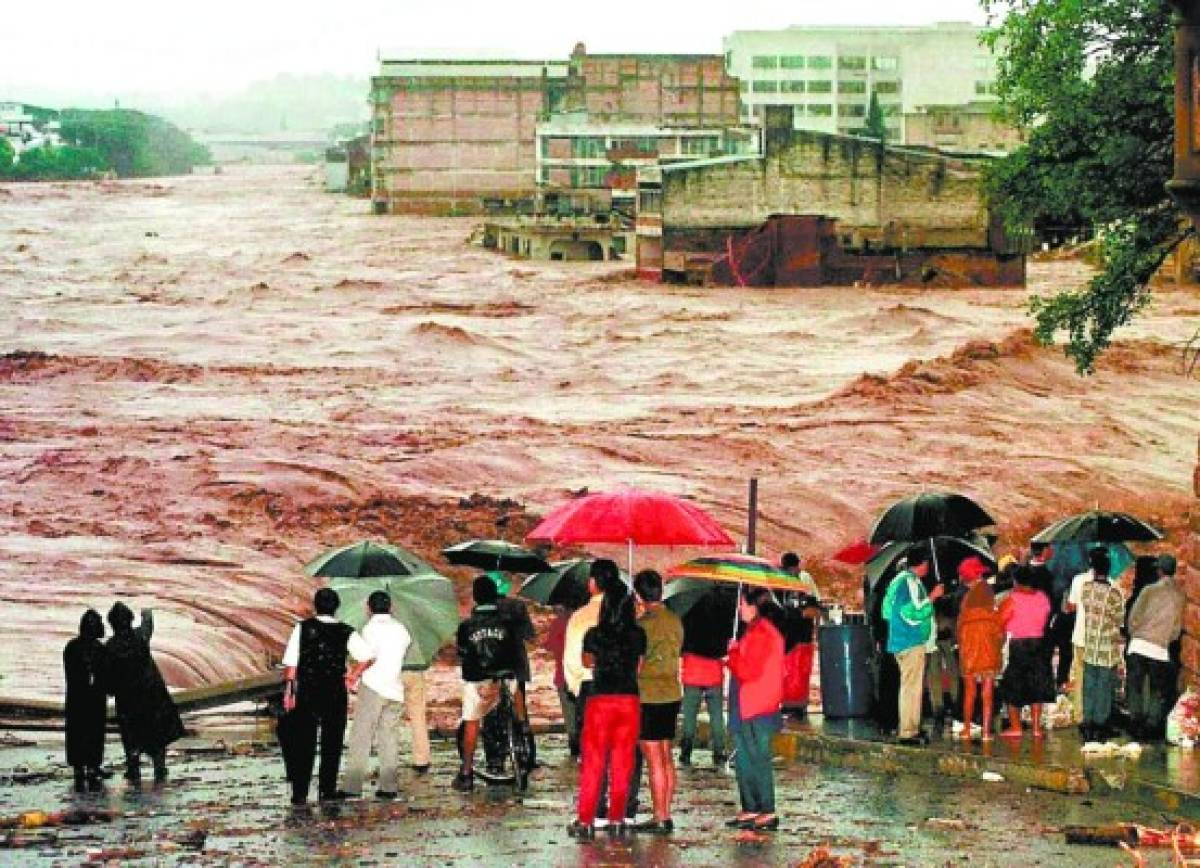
{"points": [[600, 823]]}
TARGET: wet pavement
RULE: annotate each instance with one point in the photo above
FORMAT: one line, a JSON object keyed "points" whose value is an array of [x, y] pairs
{"points": [[226, 803]]}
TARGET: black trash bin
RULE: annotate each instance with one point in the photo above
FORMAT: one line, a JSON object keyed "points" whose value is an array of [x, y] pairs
{"points": [[845, 651]]}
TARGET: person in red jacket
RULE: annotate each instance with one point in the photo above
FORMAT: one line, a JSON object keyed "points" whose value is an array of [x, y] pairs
{"points": [[756, 664]]}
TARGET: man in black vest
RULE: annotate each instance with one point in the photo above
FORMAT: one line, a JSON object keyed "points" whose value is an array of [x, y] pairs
{"points": [[315, 693]]}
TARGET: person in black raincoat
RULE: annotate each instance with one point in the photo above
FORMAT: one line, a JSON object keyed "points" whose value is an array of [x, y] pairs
{"points": [[87, 703], [147, 715]]}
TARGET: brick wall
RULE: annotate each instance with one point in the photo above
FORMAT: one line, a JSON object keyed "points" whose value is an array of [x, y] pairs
{"points": [[897, 197]]}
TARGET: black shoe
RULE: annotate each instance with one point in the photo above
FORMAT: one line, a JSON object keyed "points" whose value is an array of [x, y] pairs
{"points": [[338, 796], [656, 827], [385, 795], [910, 741], [421, 770], [81, 782], [767, 826], [720, 758], [299, 800], [685, 752], [582, 831], [464, 782], [617, 830], [739, 823]]}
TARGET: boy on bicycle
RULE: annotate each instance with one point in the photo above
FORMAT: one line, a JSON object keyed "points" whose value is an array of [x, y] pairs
{"points": [[487, 650]]}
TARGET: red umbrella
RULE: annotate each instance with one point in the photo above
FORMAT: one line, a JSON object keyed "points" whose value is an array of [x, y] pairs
{"points": [[633, 517], [858, 552]]}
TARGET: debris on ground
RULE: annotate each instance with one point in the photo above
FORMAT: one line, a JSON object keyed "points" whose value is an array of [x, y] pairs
{"points": [[992, 777], [1183, 838], [952, 824], [1112, 749], [822, 858]]}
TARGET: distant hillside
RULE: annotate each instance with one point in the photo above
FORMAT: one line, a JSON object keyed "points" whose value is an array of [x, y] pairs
{"points": [[286, 102]]}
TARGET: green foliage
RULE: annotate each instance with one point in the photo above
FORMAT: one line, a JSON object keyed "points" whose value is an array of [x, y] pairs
{"points": [[134, 144], [48, 163], [7, 154], [875, 126], [1091, 82]]}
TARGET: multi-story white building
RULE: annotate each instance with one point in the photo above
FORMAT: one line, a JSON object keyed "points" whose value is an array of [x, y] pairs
{"points": [[830, 73]]}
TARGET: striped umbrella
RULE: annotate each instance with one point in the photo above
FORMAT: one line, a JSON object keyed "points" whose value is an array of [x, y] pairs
{"points": [[738, 569]]}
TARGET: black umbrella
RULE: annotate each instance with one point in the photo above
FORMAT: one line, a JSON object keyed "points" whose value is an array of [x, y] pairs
{"points": [[1099, 526], [930, 514], [564, 584], [707, 610], [947, 551], [495, 554], [367, 560]]}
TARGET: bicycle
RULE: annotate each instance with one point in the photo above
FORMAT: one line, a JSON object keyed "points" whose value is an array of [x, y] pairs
{"points": [[512, 739]]}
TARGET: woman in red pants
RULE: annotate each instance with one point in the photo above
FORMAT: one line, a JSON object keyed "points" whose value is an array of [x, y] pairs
{"points": [[614, 649]]}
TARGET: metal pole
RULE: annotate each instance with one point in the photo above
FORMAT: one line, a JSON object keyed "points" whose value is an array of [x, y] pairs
{"points": [[752, 521]]}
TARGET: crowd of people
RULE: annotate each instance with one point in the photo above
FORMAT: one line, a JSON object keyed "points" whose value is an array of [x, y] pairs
{"points": [[631, 676], [1022, 637]]}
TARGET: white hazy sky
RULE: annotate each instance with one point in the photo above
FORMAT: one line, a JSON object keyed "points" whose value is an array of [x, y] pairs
{"points": [[156, 47]]}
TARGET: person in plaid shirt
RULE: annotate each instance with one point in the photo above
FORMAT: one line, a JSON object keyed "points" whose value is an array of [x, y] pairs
{"points": [[1103, 608]]}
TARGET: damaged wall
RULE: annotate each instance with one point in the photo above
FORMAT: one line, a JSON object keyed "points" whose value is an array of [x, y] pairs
{"points": [[885, 196]]}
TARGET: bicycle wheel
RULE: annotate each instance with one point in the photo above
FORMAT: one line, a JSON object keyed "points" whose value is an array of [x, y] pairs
{"points": [[517, 752]]}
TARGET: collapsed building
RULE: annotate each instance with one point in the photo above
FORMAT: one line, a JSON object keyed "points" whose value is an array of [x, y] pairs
{"points": [[823, 209]]}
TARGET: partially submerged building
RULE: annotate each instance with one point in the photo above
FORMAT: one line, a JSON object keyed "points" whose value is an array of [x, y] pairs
{"points": [[818, 208], [458, 136]]}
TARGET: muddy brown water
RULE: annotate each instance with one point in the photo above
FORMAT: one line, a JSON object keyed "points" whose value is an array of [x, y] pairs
{"points": [[206, 380]]}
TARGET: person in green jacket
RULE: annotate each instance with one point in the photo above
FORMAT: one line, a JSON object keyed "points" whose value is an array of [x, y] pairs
{"points": [[908, 610]]}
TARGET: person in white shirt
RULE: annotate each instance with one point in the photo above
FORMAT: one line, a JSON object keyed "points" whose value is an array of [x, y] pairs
{"points": [[1101, 564], [379, 707]]}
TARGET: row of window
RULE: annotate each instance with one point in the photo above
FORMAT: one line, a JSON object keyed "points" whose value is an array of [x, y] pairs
{"points": [[819, 86], [851, 62], [597, 147]]}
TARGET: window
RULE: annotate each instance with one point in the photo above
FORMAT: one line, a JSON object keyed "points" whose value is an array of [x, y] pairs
{"points": [[820, 110], [791, 61], [887, 87], [791, 86], [886, 64], [985, 88], [820, 86], [760, 61], [766, 87], [853, 111], [650, 201], [889, 111], [820, 61], [852, 62], [852, 87], [702, 145], [587, 147]]}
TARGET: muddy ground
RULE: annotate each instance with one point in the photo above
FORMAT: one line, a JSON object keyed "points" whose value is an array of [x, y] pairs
{"points": [[207, 380], [222, 809]]}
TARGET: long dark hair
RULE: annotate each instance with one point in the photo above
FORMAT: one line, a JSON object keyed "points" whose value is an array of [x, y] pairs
{"points": [[617, 612], [764, 601]]}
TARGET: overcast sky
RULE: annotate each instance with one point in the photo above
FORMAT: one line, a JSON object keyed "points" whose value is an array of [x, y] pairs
{"points": [[170, 49]]}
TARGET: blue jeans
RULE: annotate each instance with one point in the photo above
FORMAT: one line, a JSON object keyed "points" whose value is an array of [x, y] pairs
{"points": [[1099, 687], [752, 764], [716, 717]]}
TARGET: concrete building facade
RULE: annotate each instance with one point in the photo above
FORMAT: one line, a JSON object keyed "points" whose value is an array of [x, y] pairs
{"points": [[899, 211], [452, 136], [829, 75]]}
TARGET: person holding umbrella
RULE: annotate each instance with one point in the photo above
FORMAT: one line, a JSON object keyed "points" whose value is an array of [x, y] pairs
{"points": [[380, 701], [908, 610], [1100, 563], [802, 610], [755, 696]]}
